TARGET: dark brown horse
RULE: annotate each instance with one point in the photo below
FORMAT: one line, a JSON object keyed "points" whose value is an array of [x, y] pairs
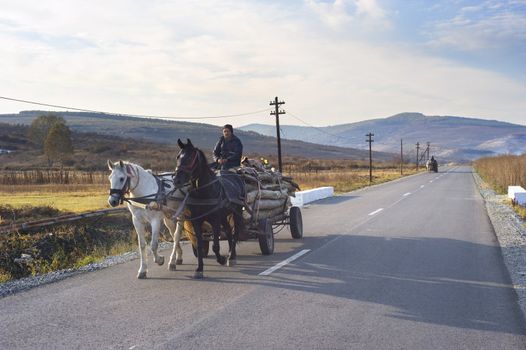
{"points": [[211, 198]]}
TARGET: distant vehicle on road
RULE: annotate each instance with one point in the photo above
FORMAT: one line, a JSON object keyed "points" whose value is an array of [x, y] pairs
{"points": [[432, 165]]}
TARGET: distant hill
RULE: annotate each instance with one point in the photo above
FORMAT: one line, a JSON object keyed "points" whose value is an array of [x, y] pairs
{"points": [[452, 138], [202, 135]]}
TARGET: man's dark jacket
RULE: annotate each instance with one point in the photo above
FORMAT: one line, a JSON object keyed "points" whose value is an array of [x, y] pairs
{"points": [[230, 150]]}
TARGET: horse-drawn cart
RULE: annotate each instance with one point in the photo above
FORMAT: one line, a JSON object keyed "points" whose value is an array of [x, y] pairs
{"points": [[267, 208], [265, 229], [432, 165]]}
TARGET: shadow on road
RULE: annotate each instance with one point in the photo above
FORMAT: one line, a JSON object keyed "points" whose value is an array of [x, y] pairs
{"points": [[436, 286], [336, 199]]}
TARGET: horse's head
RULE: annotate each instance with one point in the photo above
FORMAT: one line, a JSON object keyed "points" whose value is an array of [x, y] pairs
{"points": [[187, 163], [120, 177]]}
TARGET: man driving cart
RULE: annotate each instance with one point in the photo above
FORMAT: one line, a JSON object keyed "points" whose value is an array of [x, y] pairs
{"points": [[228, 150]]}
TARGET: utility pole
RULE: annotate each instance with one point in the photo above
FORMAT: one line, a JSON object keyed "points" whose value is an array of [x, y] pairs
{"points": [[427, 150], [277, 112], [417, 149], [370, 140], [401, 157]]}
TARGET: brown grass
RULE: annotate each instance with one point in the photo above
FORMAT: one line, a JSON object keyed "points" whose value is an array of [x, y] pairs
{"points": [[502, 171], [52, 176], [346, 180]]}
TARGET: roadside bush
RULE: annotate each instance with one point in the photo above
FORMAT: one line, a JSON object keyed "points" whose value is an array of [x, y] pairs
{"points": [[65, 246], [10, 215]]}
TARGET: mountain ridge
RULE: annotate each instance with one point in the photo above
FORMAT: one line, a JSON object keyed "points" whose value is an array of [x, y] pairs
{"points": [[203, 135], [451, 137]]}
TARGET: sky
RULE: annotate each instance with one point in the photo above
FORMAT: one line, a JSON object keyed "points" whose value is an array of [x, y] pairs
{"points": [[217, 62]]}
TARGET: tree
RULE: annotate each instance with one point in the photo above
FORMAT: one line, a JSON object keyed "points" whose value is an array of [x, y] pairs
{"points": [[57, 144], [40, 127]]}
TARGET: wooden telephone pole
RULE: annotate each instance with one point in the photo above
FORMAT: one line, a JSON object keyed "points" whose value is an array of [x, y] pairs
{"points": [[277, 112], [417, 155], [427, 150], [401, 157], [370, 141]]}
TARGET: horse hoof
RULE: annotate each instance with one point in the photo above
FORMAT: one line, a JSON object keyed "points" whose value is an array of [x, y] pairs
{"points": [[232, 262], [198, 275], [179, 262], [222, 260], [160, 261], [172, 267], [141, 275]]}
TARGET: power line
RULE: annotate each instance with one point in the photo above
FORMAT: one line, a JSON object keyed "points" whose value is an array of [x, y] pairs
{"points": [[318, 128], [132, 115]]}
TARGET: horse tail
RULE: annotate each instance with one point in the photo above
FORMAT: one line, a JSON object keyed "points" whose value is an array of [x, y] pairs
{"points": [[189, 232]]}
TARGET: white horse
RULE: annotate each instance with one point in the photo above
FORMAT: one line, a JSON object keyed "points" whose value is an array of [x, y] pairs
{"points": [[428, 165], [144, 191]]}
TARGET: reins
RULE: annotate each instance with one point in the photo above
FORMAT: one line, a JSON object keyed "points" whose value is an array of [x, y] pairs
{"points": [[218, 202], [159, 196]]}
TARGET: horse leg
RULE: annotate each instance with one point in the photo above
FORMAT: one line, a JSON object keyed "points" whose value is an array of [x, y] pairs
{"points": [[176, 258], [154, 244], [216, 228], [139, 227], [231, 246], [198, 274]]}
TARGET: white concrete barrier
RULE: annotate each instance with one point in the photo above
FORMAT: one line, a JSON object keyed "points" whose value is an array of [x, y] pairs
{"points": [[304, 197], [518, 194], [520, 198], [513, 189]]}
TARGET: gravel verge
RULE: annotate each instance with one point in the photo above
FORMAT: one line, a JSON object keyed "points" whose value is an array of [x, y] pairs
{"points": [[510, 231], [26, 283]]}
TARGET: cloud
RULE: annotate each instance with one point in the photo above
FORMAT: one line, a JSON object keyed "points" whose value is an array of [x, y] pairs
{"points": [[225, 57], [370, 8], [339, 13], [490, 25]]}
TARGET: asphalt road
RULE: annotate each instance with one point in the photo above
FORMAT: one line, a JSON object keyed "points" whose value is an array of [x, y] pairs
{"points": [[412, 264]]}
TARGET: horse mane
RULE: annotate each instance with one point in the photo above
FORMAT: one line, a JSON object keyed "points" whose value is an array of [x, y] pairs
{"points": [[134, 166], [203, 163]]}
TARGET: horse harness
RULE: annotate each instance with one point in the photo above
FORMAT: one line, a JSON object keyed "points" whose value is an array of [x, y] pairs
{"points": [[222, 201], [160, 197]]}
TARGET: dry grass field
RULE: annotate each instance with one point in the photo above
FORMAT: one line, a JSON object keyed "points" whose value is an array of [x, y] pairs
{"points": [[503, 171], [75, 196], [66, 190], [70, 198]]}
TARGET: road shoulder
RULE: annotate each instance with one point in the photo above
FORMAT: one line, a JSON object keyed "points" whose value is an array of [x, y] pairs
{"points": [[511, 234]]}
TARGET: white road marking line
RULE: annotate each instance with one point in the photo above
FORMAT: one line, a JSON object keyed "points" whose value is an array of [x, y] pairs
{"points": [[422, 186], [407, 194], [283, 263], [430, 181], [376, 211]]}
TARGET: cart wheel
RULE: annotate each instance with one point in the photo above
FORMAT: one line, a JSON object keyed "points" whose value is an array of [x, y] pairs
{"points": [[266, 237], [296, 223], [206, 249]]}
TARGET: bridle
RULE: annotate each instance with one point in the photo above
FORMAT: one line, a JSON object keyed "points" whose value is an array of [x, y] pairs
{"points": [[125, 189], [216, 203], [190, 168]]}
